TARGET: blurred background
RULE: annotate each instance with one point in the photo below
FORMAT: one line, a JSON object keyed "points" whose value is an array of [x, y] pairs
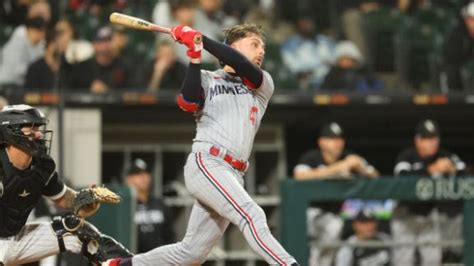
{"points": [[396, 77]]}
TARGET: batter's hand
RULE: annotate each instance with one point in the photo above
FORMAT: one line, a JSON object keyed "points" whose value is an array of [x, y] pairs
{"points": [[189, 37]]}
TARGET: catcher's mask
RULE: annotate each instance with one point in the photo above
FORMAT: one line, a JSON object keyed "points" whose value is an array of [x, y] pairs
{"points": [[34, 139]]}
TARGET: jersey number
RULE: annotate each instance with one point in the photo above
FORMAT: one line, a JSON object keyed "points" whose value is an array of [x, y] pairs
{"points": [[253, 115]]}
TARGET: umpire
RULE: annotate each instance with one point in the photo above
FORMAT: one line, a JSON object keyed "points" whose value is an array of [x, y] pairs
{"points": [[415, 221]]}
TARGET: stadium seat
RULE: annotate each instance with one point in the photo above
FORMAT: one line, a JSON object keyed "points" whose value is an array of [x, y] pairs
{"points": [[380, 27], [86, 23], [140, 43], [439, 18], [416, 48], [468, 75], [274, 65]]}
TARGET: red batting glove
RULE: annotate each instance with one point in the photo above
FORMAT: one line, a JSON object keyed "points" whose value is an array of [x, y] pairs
{"points": [[117, 262], [189, 37]]}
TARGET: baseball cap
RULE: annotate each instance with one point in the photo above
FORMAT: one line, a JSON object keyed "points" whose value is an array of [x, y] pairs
{"points": [[138, 166], [364, 216], [348, 49], [332, 130], [103, 34], [468, 10], [427, 128]]}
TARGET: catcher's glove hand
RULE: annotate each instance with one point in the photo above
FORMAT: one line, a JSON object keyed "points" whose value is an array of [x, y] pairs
{"points": [[87, 200]]}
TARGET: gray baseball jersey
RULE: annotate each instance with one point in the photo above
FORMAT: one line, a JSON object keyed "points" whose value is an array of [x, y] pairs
{"points": [[229, 118], [231, 114]]}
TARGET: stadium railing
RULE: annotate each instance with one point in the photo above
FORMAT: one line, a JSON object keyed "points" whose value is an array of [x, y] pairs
{"points": [[297, 195]]}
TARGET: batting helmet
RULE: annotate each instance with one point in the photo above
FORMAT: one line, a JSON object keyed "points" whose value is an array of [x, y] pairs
{"points": [[15, 117]]}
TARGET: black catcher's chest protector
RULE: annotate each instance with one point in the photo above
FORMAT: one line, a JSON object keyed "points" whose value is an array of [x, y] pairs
{"points": [[21, 191]]}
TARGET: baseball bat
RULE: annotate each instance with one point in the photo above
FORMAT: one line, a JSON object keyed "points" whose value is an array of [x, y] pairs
{"points": [[136, 23]]}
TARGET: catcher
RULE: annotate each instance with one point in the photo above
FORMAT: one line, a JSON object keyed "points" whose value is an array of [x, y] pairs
{"points": [[27, 172]]}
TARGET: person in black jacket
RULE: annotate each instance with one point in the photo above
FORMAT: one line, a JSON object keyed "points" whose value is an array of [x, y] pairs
{"points": [[459, 49], [105, 71], [164, 71], [331, 161], [419, 220], [153, 218], [41, 74]]}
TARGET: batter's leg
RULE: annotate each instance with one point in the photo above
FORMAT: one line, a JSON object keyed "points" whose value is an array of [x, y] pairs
{"points": [[205, 227], [34, 242], [218, 187]]}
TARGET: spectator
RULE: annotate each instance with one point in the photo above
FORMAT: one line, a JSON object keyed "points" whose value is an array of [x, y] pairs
{"points": [[352, 21], [153, 218], [74, 50], [331, 161], [103, 72], [277, 30], [210, 19], [181, 12], [70, 52], [418, 221], [163, 13], [15, 12], [459, 49], [119, 41], [349, 72], [308, 55], [365, 227], [163, 71], [25, 46], [42, 73], [61, 42], [40, 8], [236, 10]]}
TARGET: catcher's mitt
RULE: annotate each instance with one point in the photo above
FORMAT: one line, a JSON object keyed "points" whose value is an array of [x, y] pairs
{"points": [[87, 200]]}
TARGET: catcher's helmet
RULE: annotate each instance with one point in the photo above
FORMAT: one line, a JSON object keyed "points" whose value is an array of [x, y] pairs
{"points": [[13, 118]]}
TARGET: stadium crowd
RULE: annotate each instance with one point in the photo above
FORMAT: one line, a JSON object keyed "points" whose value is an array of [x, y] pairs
{"points": [[356, 46]]}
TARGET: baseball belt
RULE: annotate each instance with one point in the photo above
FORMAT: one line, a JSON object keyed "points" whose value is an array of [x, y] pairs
{"points": [[237, 164]]}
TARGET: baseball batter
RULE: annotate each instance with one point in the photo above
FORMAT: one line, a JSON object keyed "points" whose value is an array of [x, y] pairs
{"points": [[229, 105]]}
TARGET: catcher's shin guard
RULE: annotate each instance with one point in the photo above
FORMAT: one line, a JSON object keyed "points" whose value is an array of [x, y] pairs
{"points": [[65, 225], [96, 247]]}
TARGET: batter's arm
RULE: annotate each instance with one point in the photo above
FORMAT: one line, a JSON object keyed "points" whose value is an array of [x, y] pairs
{"points": [[191, 90], [250, 73]]}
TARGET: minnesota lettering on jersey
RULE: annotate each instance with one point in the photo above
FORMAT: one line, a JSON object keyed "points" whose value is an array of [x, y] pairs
{"points": [[223, 89]]}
